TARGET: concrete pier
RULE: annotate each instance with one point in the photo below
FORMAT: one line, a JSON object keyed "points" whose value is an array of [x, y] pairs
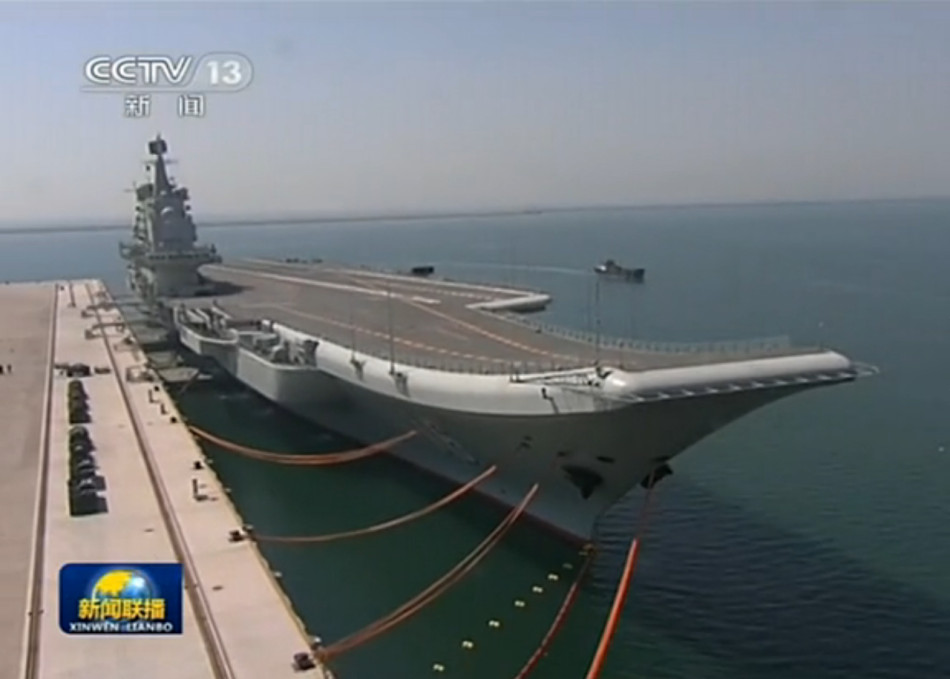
{"points": [[237, 622], [27, 329]]}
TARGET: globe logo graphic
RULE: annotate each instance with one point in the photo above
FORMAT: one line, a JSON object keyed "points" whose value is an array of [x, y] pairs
{"points": [[121, 598], [122, 584]]}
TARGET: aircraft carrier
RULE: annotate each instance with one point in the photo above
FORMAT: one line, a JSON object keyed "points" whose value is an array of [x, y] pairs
{"points": [[376, 355]]}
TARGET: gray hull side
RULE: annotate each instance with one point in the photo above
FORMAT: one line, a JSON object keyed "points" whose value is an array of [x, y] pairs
{"points": [[620, 445]]}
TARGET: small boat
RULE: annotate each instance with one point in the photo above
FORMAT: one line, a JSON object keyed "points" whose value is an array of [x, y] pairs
{"points": [[611, 269]]}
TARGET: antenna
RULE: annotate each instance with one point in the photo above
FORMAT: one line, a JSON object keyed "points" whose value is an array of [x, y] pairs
{"points": [[588, 306], [631, 331], [353, 339], [392, 345], [597, 323]]}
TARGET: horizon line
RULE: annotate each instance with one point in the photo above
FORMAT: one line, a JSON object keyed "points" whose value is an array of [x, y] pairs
{"points": [[218, 221]]}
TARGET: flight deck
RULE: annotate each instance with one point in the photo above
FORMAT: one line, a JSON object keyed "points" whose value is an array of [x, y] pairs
{"points": [[436, 323]]}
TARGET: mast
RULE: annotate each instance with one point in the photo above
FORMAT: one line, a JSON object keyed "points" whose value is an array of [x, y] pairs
{"points": [[353, 335], [158, 147], [392, 341], [597, 323]]}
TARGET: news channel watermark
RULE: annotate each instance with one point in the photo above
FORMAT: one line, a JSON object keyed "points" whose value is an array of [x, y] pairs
{"points": [[139, 77], [111, 598]]}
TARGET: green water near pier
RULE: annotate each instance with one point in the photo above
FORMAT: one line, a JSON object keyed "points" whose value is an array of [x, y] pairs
{"points": [[808, 539]]}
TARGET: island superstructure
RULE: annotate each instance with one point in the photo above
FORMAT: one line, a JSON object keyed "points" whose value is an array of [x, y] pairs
{"points": [[374, 355], [163, 256]]}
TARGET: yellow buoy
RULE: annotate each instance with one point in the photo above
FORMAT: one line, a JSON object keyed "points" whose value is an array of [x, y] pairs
{"points": [[468, 644]]}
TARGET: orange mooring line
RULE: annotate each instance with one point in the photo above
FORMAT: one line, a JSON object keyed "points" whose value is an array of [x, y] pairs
{"points": [[623, 587], [433, 591], [611, 626], [559, 619], [303, 460], [378, 527]]}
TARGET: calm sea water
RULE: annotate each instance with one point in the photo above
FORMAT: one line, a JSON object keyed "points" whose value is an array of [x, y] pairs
{"points": [[807, 540]]}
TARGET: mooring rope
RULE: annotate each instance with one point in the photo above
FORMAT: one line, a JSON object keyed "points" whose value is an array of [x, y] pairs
{"points": [[304, 460], [610, 626], [376, 528], [432, 592], [569, 600]]}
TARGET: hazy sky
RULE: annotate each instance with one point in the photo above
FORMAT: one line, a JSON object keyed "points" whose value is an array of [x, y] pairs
{"points": [[360, 107]]}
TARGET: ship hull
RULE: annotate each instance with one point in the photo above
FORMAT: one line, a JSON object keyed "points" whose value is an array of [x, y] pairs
{"points": [[621, 448], [585, 462], [526, 400]]}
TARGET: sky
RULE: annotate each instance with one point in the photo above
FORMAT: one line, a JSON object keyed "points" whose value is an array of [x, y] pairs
{"points": [[367, 108]]}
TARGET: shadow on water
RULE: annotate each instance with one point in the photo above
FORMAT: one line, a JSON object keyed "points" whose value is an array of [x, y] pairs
{"points": [[224, 288], [346, 490], [341, 586], [718, 593]]}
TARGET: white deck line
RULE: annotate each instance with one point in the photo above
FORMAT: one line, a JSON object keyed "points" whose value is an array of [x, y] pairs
{"points": [[324, 284], [393, 276], [524, 300]]}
